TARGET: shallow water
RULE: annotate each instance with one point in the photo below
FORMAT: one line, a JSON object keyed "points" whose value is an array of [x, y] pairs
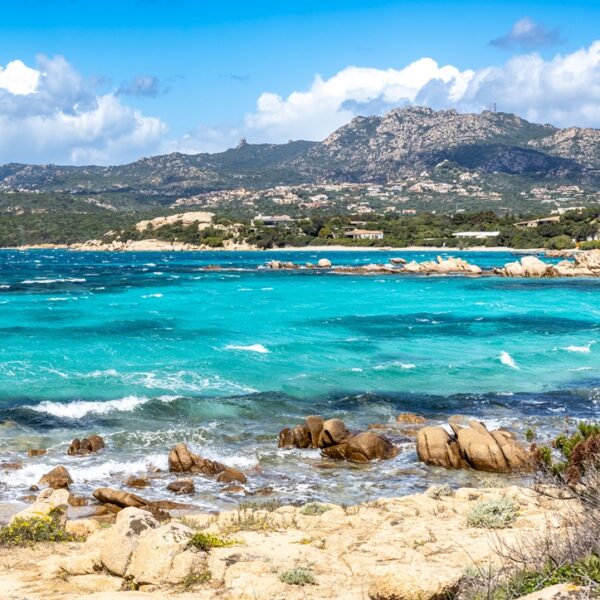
{"points": [[149, 349]]}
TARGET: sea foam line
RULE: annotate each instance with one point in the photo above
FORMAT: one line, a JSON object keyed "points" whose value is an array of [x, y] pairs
{"points": [[508, 360], [585, 349], [80, 408], [251, 348]]}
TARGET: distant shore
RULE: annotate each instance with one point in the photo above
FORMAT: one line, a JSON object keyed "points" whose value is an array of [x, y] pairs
{"points": [[164, 247]]}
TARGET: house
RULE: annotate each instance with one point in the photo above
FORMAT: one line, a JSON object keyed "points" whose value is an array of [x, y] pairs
{"points": [[365, 234], [536, 222], [273, 221], [476, 235]]}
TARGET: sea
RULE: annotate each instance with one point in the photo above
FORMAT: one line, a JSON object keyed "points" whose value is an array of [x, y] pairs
{"points": [[212, 349]]}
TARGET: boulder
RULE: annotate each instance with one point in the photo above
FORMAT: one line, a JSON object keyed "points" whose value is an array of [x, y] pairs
{"points": [[36, 452], [533, 266], [436, 447], [315, 427], [82, 528], [473, 446], [285, 439], [137, 482], [182, 486], [362, 447], [302, 437], [57, 478], [324, 263], [334, 432], [181, 460], [230, 475], [410, 419], [153, 557], [118, 498], [47, 502], [119, 542], [89, 445]]}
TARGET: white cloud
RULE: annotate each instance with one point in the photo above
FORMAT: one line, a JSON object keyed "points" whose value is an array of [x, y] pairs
{"points": [[528, 35], [564, 91], [49, 114]]}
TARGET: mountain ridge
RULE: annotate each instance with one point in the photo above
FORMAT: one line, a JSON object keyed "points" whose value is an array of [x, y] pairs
{"points": [[378, 149]]}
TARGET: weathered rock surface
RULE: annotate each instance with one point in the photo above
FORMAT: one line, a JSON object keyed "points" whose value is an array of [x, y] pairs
{"points": [[181, 460], [89, 445], [118, 498], [324, 263], [336, 441], [57, 478], [474, 446], [585, 264], [46, 503], [182, 486]]}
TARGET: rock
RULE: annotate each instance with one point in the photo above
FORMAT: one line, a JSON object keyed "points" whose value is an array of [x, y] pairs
{"points": [[559, 591], [301, 435], [137, 482], [362, 447], [118, 498], [118, 543], [182, 486], [181, 460], [410, 419], [89, 445], [324, 263], [46, 503], [285, 439], [57, 478], [436, 447], [334, 432], [77, 500], [11, 466], [153, 558], [36, 452], [533, 266], [82, 528], [95, 583], [229, 475], [398, 261], [473, 446], [315, 427]]}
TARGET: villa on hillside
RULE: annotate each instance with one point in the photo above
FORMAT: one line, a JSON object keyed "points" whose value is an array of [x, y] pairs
{"points": [[273, 221], [365, 234], [536, 222]]}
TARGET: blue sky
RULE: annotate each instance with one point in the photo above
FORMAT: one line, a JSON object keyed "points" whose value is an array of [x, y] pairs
{"points": [[180, 75]]}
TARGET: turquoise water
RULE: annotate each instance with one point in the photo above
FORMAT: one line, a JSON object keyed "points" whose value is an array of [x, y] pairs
{"points": [[149, 349]]}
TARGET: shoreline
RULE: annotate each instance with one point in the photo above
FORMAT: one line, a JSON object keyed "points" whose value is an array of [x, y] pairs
{"points": [[333, 248]]}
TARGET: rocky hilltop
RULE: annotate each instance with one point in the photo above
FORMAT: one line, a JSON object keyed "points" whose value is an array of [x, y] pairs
{"points": [[401, 143]]}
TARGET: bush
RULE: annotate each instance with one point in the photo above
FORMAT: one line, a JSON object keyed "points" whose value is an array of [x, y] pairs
{"points": [[314, 508], [24, 531], [297, 576], [496, 513], [206, 541], [439, 491], [591, 245]]}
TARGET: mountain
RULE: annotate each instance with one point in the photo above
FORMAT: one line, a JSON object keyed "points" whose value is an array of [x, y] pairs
{"points": [[377, 149]]}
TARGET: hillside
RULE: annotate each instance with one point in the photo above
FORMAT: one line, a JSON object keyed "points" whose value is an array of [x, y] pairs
{"points": [[377, 149]]}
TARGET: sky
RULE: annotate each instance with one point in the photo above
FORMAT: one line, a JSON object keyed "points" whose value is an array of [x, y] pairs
{"points": [[90, 82]]}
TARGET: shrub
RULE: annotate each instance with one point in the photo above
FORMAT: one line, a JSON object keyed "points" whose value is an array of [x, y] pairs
{"points": [[440, 491], [314, 508], [206, 541], [496, 513], [193, 579], [298, 576], [24, 531]]}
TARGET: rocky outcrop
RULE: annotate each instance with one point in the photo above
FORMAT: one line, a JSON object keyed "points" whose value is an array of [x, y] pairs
{"points": [[324, 263], [181, 460], [89, 445], [443, 267], [278, 265], [336, 441], [182, 486], [57, 478], [585, 264], [473, 446], [118, 498], [46, 503]]}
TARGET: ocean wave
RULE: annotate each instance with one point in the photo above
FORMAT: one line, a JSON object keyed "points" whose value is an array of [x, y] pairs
{"points": [[60, 280], [152, 296], [396, 365], [585, 349], [81, 408], [251, 348], [508, 360]]}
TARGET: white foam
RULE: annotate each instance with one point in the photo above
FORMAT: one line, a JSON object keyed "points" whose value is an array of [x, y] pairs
{"points": [[152, 296], [251, 348], [508, 360], [585, 349], [80, 408], [63, 280], [104, 373]]}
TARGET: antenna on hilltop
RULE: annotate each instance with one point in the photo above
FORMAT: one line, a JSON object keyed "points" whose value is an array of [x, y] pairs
{"points": [[494, 109]]}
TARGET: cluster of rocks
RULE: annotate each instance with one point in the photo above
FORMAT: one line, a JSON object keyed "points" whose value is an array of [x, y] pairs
{"points": [[89, 445], [442, 266], [336, 441], [323, 263], [474, 446], [585, 264], [181, 460]]}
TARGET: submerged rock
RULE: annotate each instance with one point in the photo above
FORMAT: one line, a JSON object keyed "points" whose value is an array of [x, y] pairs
{"points": [[182, 486], [473, 446]]}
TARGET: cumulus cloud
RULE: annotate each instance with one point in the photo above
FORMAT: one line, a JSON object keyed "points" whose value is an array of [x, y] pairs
{"points": [[526, 34], [564, 91], [49, 114], [142, 85]]}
